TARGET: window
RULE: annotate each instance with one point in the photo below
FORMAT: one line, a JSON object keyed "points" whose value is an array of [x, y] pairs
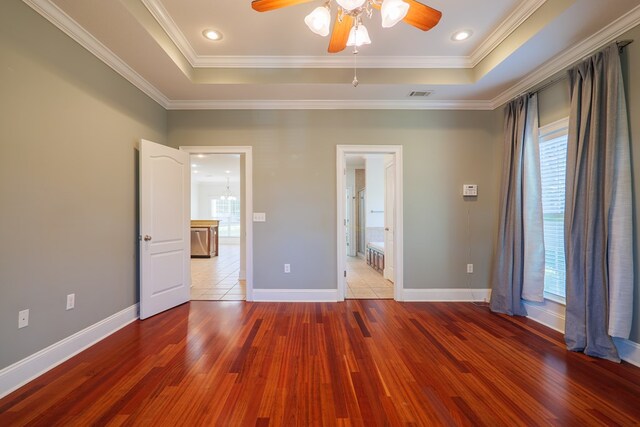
{"points": [[228, 212], [553, 163]]}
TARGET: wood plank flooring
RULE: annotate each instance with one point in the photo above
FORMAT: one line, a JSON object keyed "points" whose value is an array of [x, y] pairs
{"points": [[358, 363]]}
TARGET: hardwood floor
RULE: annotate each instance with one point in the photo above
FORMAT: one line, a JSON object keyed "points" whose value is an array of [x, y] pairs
{"points": [[362, 362]]}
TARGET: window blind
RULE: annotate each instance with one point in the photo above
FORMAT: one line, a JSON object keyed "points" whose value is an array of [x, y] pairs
{"points": [[553, 159]]}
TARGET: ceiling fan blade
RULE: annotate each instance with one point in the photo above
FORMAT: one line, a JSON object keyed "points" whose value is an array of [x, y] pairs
{"points": [[340, 34], [266, 5], [422, 16]]}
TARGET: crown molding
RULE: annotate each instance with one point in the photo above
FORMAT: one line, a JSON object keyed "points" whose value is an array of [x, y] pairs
{"points": [[334, 104], [335, 61], [569, 57], [66, 24], [162, 16], [508, 26]]}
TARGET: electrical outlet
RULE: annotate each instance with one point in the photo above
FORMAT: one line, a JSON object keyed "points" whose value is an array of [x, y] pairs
{"points": [[71, 301], [287, 268], [469, 268], [23, 318]]}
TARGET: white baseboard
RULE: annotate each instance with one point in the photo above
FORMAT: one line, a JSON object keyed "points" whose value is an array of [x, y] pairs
{"points": [[548, 313], [629, 351], [552, 314], [15, 376], [295, 295], [450, 295]]}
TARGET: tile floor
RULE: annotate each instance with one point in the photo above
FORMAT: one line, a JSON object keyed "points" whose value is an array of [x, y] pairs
{"points": [[363, 282], [216, 278]]}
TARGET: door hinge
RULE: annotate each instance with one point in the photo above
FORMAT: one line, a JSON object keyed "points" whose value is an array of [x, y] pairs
{"points": [[345, 273]]}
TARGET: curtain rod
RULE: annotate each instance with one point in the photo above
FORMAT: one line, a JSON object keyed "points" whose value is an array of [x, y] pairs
{"points": [[621, 45]]}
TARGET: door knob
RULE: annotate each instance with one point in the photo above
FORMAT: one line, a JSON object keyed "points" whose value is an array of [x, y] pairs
{"points": [[386, 229], [147, 237]]}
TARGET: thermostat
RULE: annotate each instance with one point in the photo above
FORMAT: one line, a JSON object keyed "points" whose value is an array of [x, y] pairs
{"points": [[470, 190]]}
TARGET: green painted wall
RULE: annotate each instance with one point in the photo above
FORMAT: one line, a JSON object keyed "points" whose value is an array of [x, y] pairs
{"points": [[295, 185], [68, 131]]}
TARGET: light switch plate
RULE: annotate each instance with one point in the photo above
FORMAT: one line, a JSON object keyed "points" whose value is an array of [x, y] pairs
{"points": [[23, 318], [470, 190], [259, 217]]}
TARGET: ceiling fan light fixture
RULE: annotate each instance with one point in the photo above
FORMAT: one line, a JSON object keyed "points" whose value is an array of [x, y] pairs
{"points": [[350, 4], [319, 21], [358, 36], [392, 12]]}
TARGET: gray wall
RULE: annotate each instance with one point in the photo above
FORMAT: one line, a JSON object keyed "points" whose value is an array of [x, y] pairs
{"points": [[294, 178], [68, 130], [554, 105]]}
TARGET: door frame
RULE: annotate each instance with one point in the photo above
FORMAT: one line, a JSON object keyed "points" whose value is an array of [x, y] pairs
{"points": [[398, 256], [248, 200]]}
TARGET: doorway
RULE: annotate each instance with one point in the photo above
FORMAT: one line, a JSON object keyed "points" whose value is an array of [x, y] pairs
{"points": [[216, 204], [221, 206], [373, 216]]}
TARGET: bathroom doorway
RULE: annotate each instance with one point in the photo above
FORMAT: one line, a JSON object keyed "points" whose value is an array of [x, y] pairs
{"points": [[375, 222]]}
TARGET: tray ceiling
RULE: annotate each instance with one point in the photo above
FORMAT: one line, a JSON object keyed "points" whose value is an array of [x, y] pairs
{"points": [[271, 59]]}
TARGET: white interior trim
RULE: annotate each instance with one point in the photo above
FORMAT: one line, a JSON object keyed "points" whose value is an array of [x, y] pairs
{"points": [[295, 295], [553, 314], [511, 23], [398, 263], [330, 104], [15, 376], [549, 313], [628, 351], [447, 295], [570, 56], [248, 201], [70, 27], [553, 130]]}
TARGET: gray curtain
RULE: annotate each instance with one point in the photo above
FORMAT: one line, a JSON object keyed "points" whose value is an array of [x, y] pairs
{"points": [[598, 222], [518, 266]]}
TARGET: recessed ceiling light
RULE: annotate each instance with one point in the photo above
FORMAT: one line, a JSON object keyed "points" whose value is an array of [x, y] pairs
{"points": [[193, 165], [212, 35], [195, 171], [201, 156], [461, 35], [227, 171]]}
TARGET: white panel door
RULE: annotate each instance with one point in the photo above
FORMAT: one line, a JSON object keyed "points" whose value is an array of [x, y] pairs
{"points": [[389, 219], [164, 228]]}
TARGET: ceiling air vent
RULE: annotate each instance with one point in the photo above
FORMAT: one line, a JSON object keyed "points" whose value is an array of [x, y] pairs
{"points": [[421, 93]]}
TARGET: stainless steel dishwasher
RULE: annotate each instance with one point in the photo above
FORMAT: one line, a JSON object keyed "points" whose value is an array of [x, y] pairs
{"points": [[201, 242]]}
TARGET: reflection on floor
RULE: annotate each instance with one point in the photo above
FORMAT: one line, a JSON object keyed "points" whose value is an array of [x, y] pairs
{"points": [[217, 278], [363, 282]]}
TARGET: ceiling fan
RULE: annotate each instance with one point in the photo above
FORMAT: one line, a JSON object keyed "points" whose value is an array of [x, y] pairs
{"points": [[348, 29]]}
